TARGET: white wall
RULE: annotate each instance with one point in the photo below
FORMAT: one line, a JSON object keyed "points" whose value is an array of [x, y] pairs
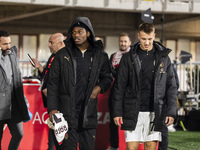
{"points": [[198, 50], [183, 44], [172, 45], [193, 50], [112, 44], [29, 46], [43, 51], [14, 40]]}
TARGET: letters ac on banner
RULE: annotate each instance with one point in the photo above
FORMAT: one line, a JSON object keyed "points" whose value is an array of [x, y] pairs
{"points": [[36, 130]]}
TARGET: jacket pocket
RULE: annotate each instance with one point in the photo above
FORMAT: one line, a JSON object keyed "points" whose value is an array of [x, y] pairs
{"points": [[130, 104], [162, 77], [161, 110], [130, 93], [92, 108], [65, 105], [90, 114], [5, 107]]}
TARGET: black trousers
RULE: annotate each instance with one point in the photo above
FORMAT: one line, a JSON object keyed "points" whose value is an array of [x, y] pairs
{"points": [[16, 130], [114, 135], [51, 140], [163, 145], [78, 137], [85, 139]]}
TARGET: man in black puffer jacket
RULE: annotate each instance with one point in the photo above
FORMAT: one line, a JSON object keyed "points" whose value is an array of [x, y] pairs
{"points": [[144, 83], [79, 72]]}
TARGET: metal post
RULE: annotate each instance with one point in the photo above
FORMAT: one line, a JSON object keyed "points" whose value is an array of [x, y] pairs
{"points": [[197, 79], [162, 20]]}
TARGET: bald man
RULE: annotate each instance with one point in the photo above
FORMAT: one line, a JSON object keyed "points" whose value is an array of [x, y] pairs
{"points": [[55, 44]]}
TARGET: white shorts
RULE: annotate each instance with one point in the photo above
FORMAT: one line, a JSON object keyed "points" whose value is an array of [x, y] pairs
{"points": [[142, 132]]}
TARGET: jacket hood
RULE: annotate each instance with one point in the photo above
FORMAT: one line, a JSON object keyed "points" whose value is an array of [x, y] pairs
{"points": [[163, 50], [87, 23]]}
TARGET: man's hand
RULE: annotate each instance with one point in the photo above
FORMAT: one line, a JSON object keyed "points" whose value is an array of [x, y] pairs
{"points": [[45, 92], [118, 121], [51, 114], [37, 65], [95, 92], [169, 121]]}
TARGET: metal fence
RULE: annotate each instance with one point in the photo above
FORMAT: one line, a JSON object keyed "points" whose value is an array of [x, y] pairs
{"points": [[188, 74], [188, 97], [27, 70]]}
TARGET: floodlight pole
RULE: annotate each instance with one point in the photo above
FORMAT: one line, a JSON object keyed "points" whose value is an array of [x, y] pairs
{"points": [[162, 21], [162, 28]]}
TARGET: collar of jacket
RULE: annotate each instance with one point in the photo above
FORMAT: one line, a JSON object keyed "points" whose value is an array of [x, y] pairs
{"points": [[98, 45], [163, 51], [160, 49]]}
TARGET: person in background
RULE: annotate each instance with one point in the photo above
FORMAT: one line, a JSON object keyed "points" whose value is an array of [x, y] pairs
{"points": [[144, 82], [13, 104], [55, 44], [124, 47], [79, 72]]}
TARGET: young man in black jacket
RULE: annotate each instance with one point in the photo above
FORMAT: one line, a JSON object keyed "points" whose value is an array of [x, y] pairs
{"points": [[144, 83], [79, 72], [124, 47]]}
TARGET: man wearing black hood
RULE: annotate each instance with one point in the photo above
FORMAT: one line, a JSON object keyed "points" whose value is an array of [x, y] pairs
{"points": [[79, 72]]}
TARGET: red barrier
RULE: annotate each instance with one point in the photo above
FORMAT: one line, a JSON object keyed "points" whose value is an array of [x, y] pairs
{"points": [[102, 134], [36, 131]]}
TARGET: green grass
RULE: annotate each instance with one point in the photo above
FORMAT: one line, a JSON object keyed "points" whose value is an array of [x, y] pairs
{"points": [[184, 140]]}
